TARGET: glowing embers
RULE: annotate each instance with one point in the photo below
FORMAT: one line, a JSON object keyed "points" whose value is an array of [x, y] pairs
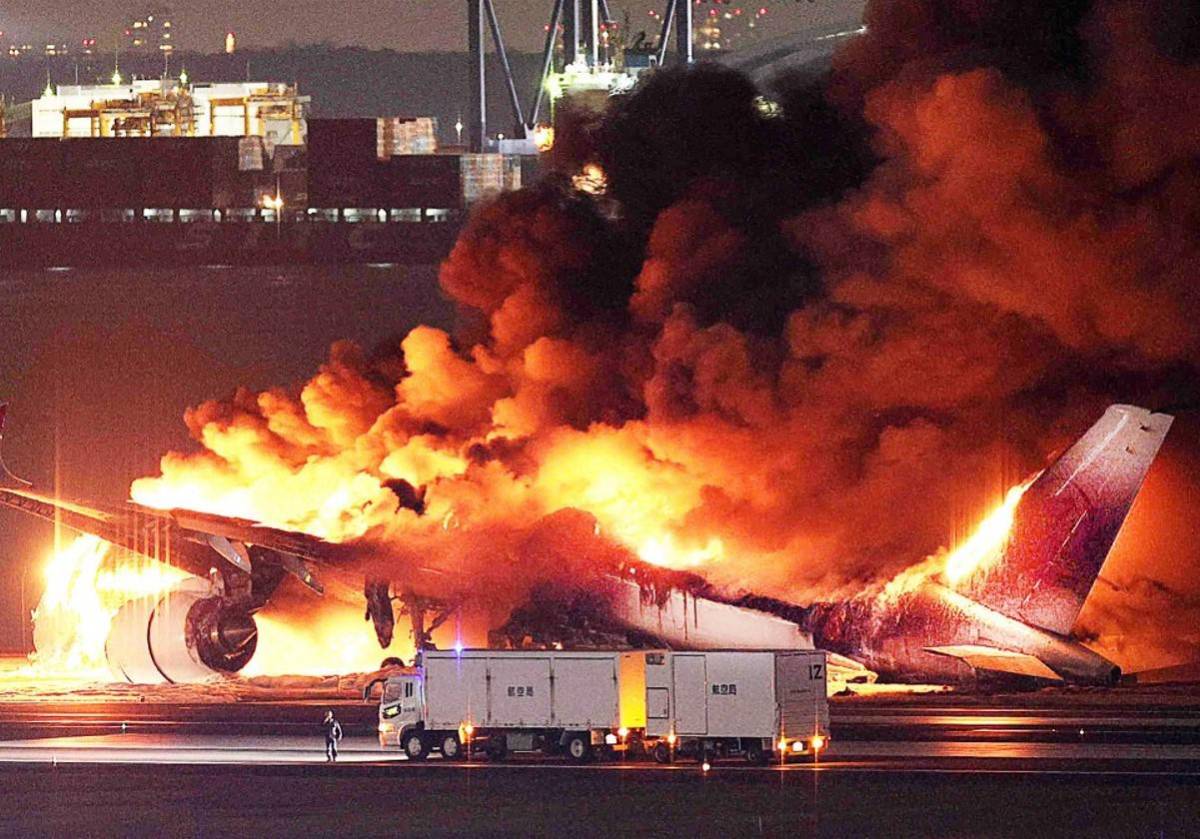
{"points": [[87, 582]]}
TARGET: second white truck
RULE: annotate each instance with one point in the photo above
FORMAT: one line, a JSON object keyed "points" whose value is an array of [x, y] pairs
{"points": [[754, 704]]}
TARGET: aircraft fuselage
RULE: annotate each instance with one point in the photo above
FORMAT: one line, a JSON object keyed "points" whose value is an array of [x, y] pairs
{"points": [[894, 638]]}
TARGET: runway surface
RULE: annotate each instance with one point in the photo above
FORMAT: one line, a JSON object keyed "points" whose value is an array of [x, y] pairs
{"points": [[1142, 760], [937, 767], [363, 796]]}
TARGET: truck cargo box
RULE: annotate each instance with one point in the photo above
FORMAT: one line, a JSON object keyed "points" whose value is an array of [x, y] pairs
{"points": [[736, 694], [534, 689]]}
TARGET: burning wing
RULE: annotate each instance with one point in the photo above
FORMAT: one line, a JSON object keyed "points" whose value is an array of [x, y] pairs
{"points": [[182, 537], [205, 623]]}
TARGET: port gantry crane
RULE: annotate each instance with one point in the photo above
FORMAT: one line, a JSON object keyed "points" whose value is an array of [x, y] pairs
{"points": [[584, 27]]}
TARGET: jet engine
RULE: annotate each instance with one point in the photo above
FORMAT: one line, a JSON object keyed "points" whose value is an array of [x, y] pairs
{"points": [[186, 634]]}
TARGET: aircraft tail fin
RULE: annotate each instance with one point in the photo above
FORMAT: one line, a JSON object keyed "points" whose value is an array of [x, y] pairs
{"points": [[1068, 519], [7, 479]]}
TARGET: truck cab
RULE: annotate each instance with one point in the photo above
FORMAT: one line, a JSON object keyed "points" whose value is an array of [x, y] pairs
{"points": [[401, 708]]}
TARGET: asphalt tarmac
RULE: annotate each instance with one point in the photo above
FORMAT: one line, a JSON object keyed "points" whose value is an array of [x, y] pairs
{"points": [[935, 768], [553, 799]]}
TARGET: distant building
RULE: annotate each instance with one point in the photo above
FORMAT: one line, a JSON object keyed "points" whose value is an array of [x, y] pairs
{"points": [[152, 31], [725, 26], [170, 107]]}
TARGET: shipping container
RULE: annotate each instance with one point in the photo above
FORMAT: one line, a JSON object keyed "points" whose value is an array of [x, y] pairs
{"points": [[484, 175], [405, 135], [422, 181]]}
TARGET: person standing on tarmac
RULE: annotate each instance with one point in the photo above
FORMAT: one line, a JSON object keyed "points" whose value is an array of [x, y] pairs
{"points": [[333, 734]]}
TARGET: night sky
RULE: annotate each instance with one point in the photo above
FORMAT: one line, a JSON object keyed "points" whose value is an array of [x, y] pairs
{"points": [[415, 25]]}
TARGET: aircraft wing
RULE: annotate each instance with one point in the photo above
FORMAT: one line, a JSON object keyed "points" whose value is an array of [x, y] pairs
{"points": [[181, 537], [998, 660]]}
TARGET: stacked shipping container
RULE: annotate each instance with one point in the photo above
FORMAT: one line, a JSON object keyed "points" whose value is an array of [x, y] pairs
{"points": [[341, 168]]}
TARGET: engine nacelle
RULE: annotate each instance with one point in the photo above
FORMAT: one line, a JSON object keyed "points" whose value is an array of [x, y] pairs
{"points": [[186, 634]]}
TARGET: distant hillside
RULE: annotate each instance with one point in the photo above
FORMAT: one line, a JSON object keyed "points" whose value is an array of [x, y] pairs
{"points": [[343, 81]]}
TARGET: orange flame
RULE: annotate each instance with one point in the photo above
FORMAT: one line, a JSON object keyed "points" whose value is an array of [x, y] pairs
{"points": [[335, 642], [86, 584], [980, 550], [89, 580], [987, 542]]}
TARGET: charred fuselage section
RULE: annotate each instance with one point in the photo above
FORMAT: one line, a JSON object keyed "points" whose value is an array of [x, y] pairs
{"points": [[934, 634]]}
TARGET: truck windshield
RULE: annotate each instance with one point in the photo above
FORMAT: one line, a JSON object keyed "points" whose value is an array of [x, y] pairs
{"points": [[391, 692]]}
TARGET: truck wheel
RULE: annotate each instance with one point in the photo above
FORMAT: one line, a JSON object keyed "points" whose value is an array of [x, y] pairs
{"points": [[756, 755], [662, 753], [451, 747], [579, 748], [414, 746]]}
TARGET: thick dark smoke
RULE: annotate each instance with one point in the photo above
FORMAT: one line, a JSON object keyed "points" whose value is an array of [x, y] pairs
{"points": [[797, 352]]}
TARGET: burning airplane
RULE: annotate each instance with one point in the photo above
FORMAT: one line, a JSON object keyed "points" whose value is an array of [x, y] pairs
{"points": [[1004, 602]]}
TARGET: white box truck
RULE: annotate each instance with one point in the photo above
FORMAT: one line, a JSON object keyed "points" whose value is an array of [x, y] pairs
{"points": [[756, 704], [522, 700]]}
